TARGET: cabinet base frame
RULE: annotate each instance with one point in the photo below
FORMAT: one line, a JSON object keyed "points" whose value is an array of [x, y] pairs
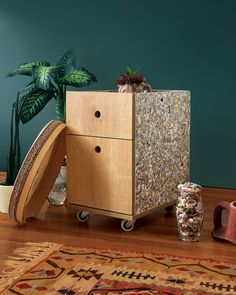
{"points": [[121, 215]]}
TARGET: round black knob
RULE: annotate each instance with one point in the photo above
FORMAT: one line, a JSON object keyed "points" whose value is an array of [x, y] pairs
{"points": [[98, 149], [97, 114]]}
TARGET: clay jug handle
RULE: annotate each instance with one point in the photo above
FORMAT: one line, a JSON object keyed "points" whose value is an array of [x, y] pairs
{"points": [[218, 212]]}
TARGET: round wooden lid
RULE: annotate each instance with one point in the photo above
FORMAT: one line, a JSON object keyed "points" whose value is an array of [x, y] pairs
{"points": [[38, 172]]}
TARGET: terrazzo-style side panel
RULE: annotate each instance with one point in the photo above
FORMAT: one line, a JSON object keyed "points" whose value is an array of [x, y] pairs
{"points": [[162, 146]]}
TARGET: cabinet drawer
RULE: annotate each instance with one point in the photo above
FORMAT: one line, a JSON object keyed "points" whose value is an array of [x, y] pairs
{"points": [[105, 114], [100, 173]]}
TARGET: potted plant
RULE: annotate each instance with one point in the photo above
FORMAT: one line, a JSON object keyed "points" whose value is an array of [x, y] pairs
{"points": [[48, 82], [132, 81]]}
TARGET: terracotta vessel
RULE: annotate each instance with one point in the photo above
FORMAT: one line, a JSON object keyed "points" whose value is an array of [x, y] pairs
{"points": [[226, 232]]}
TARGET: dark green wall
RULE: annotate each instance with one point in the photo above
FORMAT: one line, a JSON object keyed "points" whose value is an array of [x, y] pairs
{"points": [[180, 44]]}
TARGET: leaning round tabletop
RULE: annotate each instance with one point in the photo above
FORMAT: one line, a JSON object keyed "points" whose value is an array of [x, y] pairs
{"points": [[38, 172]]}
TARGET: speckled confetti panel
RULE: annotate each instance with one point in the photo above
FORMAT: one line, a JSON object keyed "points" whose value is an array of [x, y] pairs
{"points": [[162, 146]]}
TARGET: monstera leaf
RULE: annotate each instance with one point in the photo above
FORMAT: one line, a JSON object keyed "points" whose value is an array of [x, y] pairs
{"points": [[34, 104], [78, 78], [66, 63], [43, 75], [27, 69]]}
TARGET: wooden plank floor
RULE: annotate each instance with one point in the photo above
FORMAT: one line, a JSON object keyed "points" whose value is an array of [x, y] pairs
{"points": [[155, 233]]}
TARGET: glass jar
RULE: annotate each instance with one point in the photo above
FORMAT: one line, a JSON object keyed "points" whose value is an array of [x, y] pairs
{"points": [[189, 211]]}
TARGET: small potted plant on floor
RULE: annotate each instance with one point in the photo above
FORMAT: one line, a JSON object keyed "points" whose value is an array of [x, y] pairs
{"points": [[132, 81]]}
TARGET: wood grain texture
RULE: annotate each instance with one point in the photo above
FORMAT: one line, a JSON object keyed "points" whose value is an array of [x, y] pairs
{"points": [[38, 172], [155, 233], [102, 179], [116, 114]]}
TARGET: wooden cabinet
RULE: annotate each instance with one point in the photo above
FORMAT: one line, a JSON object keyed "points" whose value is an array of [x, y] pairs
{"points": [[100, 114], [102, 169], [127, 152]]}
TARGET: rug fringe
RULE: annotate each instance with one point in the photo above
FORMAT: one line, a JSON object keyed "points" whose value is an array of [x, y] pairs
{"points": [[24, 258]]}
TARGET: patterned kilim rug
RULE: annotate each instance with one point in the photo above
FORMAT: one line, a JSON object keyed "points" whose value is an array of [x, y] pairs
{"points": [[48, 268]]}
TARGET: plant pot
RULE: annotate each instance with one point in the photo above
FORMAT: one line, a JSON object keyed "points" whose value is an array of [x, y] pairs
{"points": [[226, 232], [143, 87], [57, 195], [5, 195]]}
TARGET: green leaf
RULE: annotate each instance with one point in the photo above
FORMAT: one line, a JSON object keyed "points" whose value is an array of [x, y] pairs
{"points": [[66, 63], [60, 108], [129, 71], [34, 104], [27, 69], [133, 73], [43, 75], [28, 90], [78, 78]]}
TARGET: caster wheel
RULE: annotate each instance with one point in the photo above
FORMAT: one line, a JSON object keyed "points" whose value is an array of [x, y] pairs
{"points": [[169, 208], [83, 216], [127, 225]]}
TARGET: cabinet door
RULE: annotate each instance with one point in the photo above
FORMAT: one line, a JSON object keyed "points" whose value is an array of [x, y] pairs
{"points": [[104, 114], [100, 173]]}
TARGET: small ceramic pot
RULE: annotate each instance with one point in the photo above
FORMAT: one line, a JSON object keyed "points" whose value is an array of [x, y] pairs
{"points": [[226, 232], [143, 87]]}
